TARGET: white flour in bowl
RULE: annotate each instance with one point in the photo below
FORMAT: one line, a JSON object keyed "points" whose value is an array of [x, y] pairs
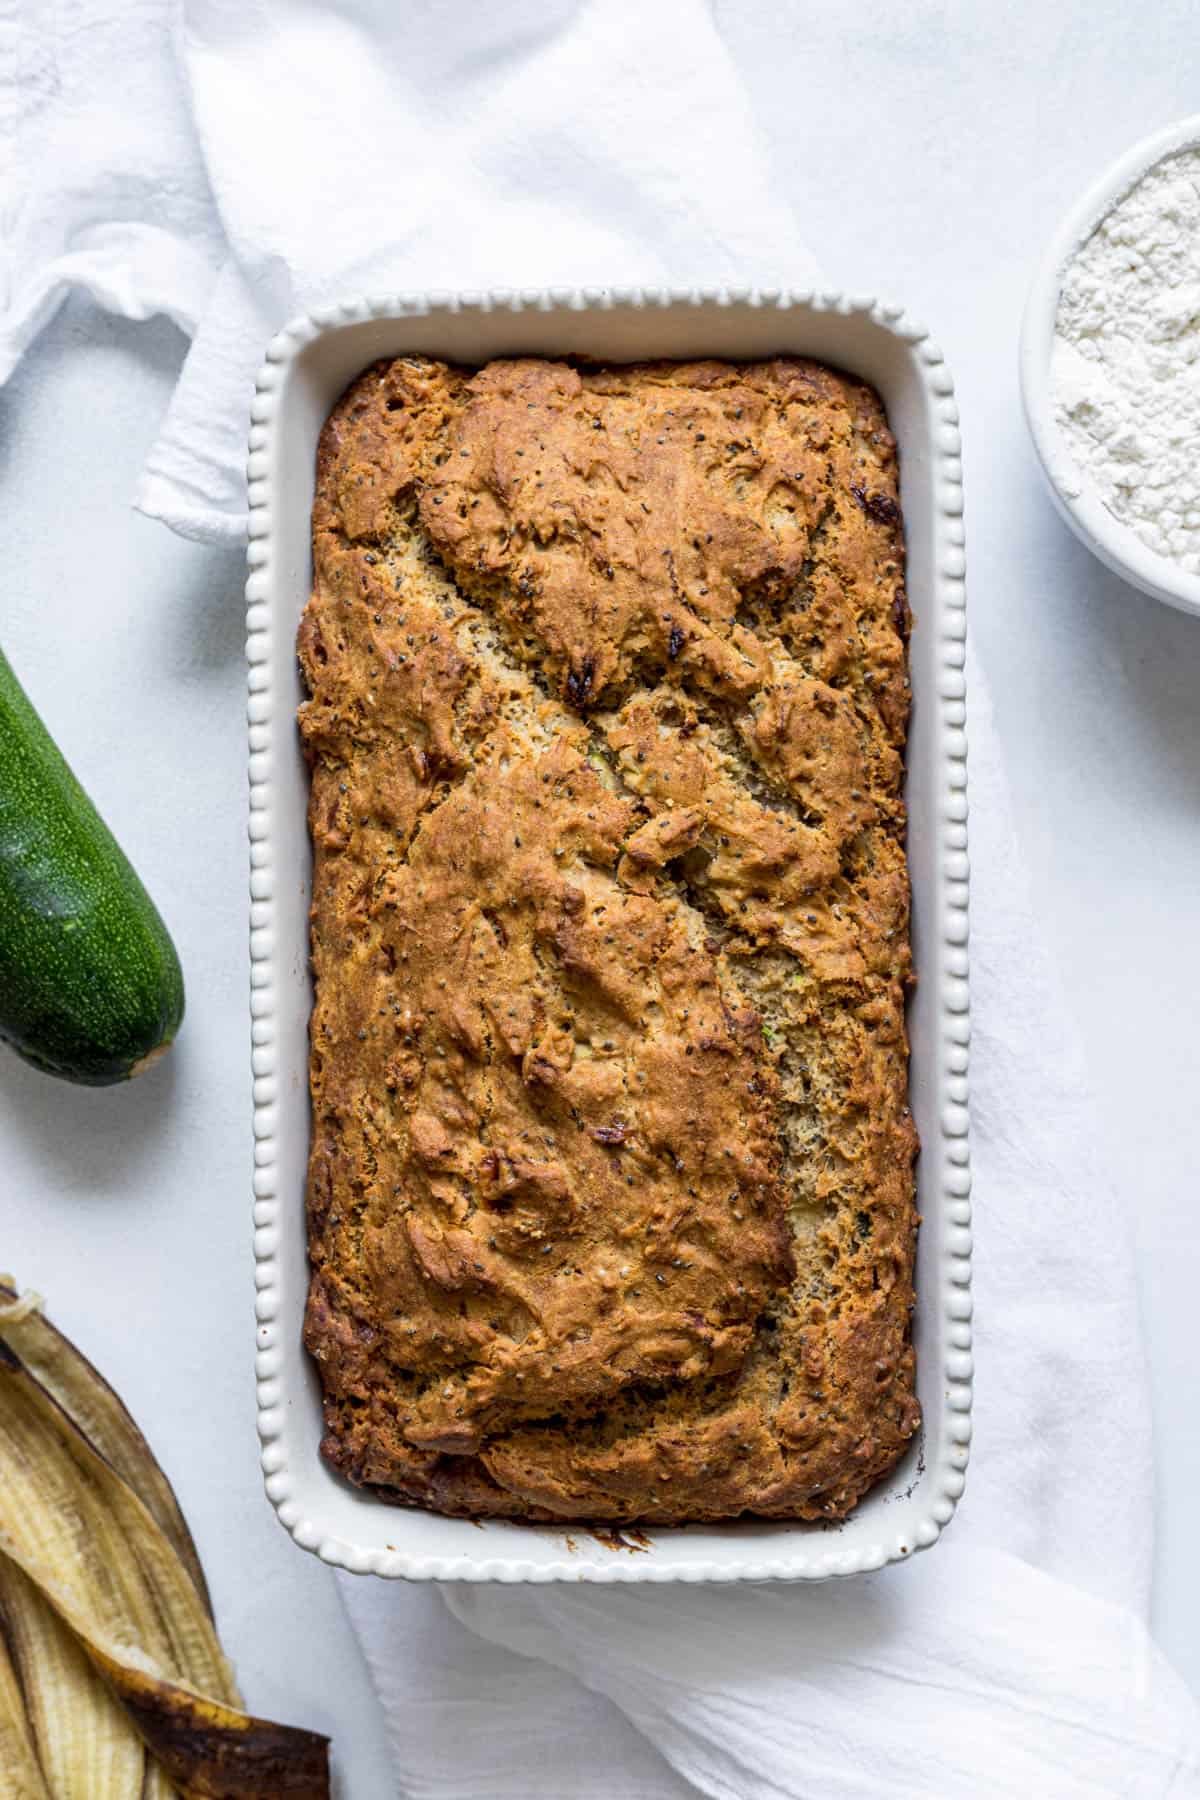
{"points": [[1126, 363]]}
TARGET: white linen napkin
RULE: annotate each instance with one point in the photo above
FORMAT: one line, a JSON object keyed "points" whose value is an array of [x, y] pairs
{"points": [[293, 153], [1012, 1659], [231, 162]]}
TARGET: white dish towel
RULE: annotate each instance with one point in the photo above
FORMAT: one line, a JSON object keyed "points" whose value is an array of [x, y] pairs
{"points": [[1011, 1662], [231, 162]]}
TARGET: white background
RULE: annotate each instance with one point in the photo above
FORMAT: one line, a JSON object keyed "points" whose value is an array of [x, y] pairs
{"points": [[932, 149]]}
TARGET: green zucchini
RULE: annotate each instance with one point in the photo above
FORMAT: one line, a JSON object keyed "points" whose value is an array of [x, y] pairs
{"points": [[90, 985]]}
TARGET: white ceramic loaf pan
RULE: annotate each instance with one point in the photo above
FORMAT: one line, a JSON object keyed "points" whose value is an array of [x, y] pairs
{"points": [[307, 368]]}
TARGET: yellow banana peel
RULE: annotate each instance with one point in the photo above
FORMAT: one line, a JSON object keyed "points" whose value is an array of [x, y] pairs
{"points": [[112, 1678]]}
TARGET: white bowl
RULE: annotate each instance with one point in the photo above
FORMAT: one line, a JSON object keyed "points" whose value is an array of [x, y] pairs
{"points": [[308, 367], [1085, 512]]}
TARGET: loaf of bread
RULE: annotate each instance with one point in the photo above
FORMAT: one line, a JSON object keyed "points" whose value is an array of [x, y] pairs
{"points": [[610, 1203]]}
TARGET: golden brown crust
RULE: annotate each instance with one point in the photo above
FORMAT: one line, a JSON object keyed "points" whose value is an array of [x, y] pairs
{"points": [[610, 1197]]}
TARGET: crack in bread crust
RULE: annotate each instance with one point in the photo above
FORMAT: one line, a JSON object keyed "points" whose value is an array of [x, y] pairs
{"points": [[610, 1194]]}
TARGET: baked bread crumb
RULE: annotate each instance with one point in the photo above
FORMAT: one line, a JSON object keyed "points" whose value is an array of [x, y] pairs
{"points": [[611, 1205]]}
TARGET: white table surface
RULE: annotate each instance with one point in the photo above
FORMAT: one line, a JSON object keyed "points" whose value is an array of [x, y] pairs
{"points": [[933, 161]]}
